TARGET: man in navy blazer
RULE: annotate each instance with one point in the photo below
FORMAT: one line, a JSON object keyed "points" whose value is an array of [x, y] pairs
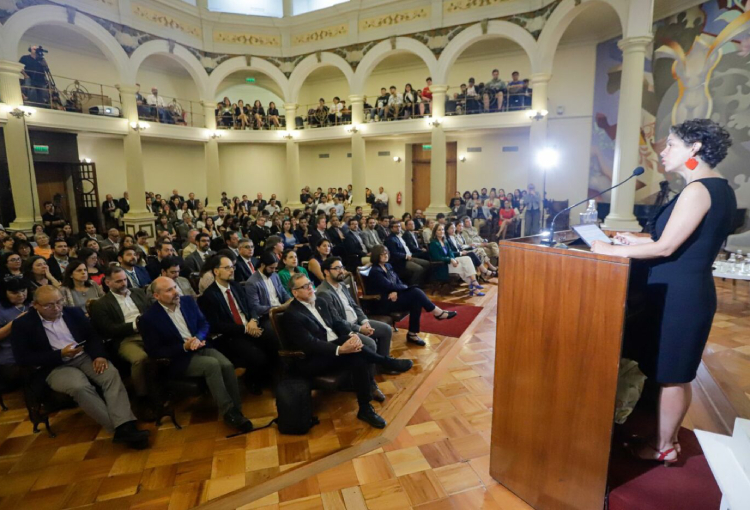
{"points": [[63, 344], [409, 268], [138, 277], [353, 245], [175, 328], [333, 346], [246, 264], [241, 338]]}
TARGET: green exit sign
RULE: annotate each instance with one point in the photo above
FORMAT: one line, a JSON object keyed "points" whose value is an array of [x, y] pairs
{"points": [[41, 149], [250, 80], [427, 147]]}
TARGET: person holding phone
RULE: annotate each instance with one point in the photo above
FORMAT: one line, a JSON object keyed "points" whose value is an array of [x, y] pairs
{"points": [[62, 343]]}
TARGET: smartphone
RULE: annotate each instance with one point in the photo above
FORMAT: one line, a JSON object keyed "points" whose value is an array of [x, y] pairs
{"points": [[81, 344]]}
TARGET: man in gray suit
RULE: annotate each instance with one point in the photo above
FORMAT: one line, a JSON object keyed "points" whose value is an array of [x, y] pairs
{"points": [[334, 294], [369, 235], [194, 262]]}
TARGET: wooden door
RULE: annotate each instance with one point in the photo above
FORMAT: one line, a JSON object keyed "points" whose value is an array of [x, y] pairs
{"points": [[421, 175], [51, 184]]}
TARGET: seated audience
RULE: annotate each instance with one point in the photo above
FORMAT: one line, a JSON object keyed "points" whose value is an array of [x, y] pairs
{"points": [[258, 232], [14, 303], [314, 266], [354, 247], [333, 346], [381, 201], [245, 265], [409, 268], [319, 232], [90, 232], [472, 238], [289, 259], [61, 342], [175, 328], [93, 266], [114, 317], [10, 268], [506, 219], [413, 240], [195, 260], [112, 240], [370, 235], [42, 247], [396, 296], [137, 276], [22, 247], [440, 251], [77, 286], [456, 244], [241, 339], [58, 262], [164, 249], [36, 272], [170, 267], [429, 226]]}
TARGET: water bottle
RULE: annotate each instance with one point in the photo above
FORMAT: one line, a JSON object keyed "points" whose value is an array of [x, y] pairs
{"points": [[590, 216]]}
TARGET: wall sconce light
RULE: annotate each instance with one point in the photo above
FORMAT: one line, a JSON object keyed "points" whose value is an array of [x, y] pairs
{"points": [[85, 160], [287, 135], [352, 129], [462, 158], [537, 114], [214, 135], [434, 121], [396, 159], [139, 126], [19, 112]]}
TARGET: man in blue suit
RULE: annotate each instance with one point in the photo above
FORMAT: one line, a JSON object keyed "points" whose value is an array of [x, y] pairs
{"points": [[264, 288], [61, 342], [408, 268], [175, 328], [137, 275], [241, 338]]}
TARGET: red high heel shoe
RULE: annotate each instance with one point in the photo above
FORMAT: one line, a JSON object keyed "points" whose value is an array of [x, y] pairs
{"points": [[663, 454]]}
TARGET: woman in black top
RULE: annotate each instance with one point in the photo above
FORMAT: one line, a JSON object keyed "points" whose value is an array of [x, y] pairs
{"points": [[258, 114], [680, 292], [397, 296], [240, 114], [273, 114]]}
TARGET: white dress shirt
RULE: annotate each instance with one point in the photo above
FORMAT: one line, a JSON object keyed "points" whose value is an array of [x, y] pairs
{"points": [[155, 100], [127, 306], [351, 315], [272, 295], [236, 302], [382, 197], [58, 334], [330, 335], [179, 321], [403, 243]]}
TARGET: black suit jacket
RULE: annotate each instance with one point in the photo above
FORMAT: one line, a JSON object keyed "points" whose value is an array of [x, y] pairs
{"points": [[305, 333], [154, 269], [418, 223], [193, 204], [333, 235], [107, 317], [214, 306], [54, 268], [31, 347], [109, 208], [242, 271], [123, 205], [258, 235], [382, 232], [353, 246], [412, 242], [316, 236], [398, 253]]}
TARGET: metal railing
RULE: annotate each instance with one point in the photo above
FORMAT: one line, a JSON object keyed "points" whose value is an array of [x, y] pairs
{"points": [[44, 90], [325, 115], [235, 117], [170, 110]]}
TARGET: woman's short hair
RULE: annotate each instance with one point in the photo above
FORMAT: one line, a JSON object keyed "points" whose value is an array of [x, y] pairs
{"points": [[14, 285], [714, 139], [20, 243], [377, 252]]}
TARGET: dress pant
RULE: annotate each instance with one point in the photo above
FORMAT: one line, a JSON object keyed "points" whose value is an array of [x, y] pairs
{"points": [[247, 352], [381, 338], [131, 350], [415, 271], [532, 222], [219, 374], [74, 378], [411, 300]]}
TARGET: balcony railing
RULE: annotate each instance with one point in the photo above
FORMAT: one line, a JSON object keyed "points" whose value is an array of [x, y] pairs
{"points": [[44, 90], [234, 117], [170, 110]]}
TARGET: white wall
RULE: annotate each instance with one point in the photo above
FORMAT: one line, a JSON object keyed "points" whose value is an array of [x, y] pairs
{"points": [[334, 171], [248, 169], [108, 154], [492, 167]]}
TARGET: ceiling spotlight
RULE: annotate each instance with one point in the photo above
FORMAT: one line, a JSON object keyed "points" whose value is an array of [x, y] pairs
{"points": [[537, 114], [396, 159]]}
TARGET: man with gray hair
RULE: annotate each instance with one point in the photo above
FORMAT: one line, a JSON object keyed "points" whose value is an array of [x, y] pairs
{"points": [[66, 350]]}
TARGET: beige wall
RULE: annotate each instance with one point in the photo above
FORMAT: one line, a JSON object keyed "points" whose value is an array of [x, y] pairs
{"points": [[252, 168], [492, 167], [334, 171], [108, 154]]}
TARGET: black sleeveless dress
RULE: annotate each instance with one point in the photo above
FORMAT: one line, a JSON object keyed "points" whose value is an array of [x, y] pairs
{"points": [[681, 295]]}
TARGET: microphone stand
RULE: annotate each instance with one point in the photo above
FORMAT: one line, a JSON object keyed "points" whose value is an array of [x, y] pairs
{"points": [[551, 239]]}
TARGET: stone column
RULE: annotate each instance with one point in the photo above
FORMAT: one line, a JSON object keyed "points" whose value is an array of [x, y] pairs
{"points": [[538, 136], [359, 166], [138, 218], [627, 142], [18, 150], [294, 179], [214, 180], [438, 171]]}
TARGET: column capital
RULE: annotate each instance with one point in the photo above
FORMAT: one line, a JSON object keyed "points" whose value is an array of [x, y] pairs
{"points": [[356, 99], [540, 77], [8, 66], [291, 106], [637, 43], [438, 89], [127, 89]]}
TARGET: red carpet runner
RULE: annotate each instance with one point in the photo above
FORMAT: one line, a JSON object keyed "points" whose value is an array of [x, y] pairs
{"points": [[454, 327]]}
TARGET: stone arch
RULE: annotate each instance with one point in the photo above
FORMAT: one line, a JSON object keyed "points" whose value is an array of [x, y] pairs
{"points": [[241, 64], [310, 64], [495, 28], [561, 19], [20, 22], [179, 54], [383, 50]]}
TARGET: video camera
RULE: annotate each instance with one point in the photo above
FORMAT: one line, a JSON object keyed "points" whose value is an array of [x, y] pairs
{"points": [[40, 51]]}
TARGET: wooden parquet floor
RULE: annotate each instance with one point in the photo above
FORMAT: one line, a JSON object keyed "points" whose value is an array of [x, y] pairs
{"points": [[438, 460]]}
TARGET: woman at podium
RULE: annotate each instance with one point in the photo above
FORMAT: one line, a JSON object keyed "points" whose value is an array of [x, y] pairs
{"points": [[681, 298]]}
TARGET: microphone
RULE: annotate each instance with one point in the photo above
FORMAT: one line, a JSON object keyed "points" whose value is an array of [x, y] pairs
{"points": [[638, 171]]}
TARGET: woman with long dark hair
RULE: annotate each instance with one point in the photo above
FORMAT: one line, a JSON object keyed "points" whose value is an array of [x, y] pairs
{"points": [[36, 272], [689, 232], [77, 286]]}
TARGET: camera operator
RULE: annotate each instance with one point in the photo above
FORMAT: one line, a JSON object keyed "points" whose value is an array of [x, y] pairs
{"points": [[36, 87]]}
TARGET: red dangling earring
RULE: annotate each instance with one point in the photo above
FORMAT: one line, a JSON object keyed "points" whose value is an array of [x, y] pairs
{"points": [[691, 163]]}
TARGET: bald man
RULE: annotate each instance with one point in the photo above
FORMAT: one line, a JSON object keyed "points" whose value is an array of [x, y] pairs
{"points": [[61, 342], [175, 328]]}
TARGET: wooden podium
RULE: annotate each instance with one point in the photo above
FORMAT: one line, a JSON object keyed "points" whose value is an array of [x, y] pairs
{"points": [[560, 318]]}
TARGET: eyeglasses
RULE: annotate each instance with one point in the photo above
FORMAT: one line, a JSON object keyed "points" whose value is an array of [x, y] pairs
{"points": [[337, 268], [52, 306], [306, 286]]}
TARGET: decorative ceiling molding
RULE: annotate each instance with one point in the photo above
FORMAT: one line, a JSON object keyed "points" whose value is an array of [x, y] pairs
{"points": [[165, 20], [247, 39], [322, 34], [454, 6], [387, 20]]}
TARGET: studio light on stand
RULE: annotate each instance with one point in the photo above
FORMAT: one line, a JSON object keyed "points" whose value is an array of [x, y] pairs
{"points": [[547, 159]]}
